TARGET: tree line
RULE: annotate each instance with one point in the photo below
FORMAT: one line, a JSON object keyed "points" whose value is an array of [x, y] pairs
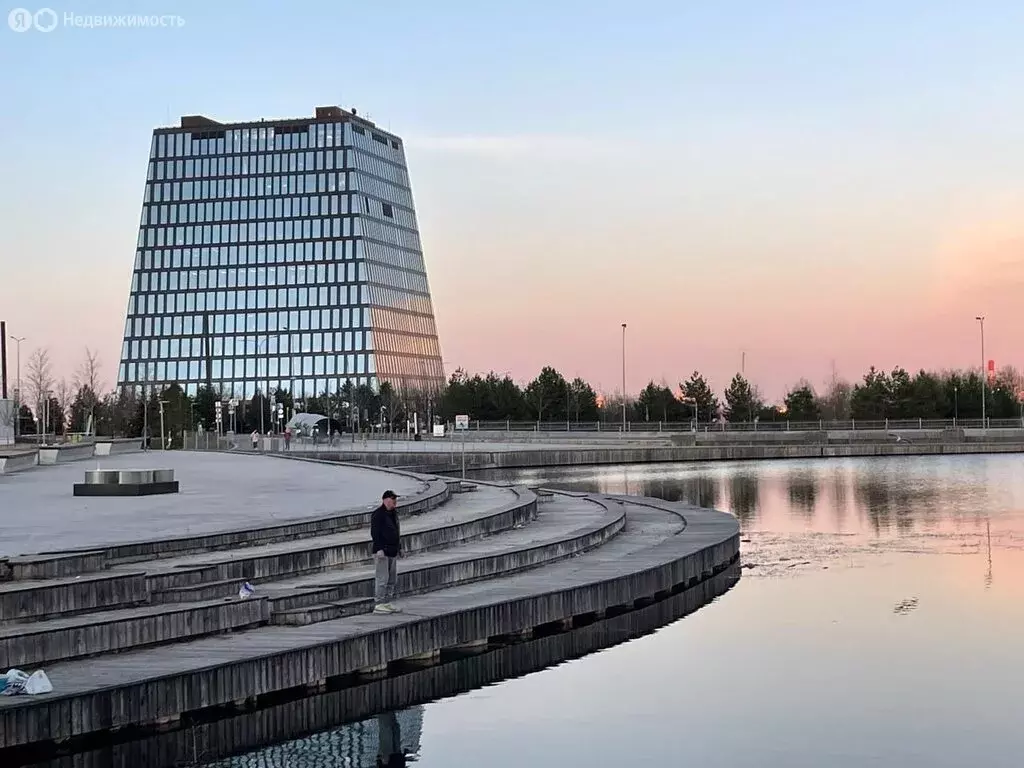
{"points": [[877, 396], [73, 405]]}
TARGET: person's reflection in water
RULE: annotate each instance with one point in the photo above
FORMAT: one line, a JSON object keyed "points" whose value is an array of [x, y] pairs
{"points": [[389, 733]]}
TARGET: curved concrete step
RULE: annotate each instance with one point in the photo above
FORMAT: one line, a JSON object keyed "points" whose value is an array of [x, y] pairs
{"points": [[46, 642], [195, 579], [37, 600], [313, 614], [554, 536], [501, 555], [74, 562], [462, 518]]}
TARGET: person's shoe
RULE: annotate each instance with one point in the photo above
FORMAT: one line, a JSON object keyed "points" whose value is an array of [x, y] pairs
{"points": [[392, 608], [382, 608]]}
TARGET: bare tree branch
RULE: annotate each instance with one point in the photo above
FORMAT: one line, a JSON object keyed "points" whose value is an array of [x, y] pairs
{"points": [[88, 374], [40, 375], [65, 394]]}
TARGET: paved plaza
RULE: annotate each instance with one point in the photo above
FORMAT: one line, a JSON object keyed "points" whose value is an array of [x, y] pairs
{"points": [[218, 492]]}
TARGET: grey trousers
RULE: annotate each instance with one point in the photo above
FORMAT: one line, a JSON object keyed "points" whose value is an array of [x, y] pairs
{"points": [[386, 575]]}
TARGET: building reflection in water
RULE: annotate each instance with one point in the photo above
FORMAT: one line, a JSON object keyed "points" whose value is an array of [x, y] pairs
{"points": [[363, 723]]}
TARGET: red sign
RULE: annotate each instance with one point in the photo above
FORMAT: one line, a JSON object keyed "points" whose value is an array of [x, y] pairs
{"points": [[991, 370]]}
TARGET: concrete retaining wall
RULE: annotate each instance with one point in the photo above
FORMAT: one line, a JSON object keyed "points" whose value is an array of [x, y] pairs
{"points": [[443, 462]]}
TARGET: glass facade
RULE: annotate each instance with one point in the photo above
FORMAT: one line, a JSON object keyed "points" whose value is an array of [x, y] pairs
{"points": [[279, 254]]}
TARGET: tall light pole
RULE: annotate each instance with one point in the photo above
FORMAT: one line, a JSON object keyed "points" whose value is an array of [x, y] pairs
{"points": [[17, 398], [623, 377], [984, 373], [163, 444]]}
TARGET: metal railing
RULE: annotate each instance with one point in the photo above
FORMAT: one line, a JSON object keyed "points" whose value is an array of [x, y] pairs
{"points": [[742, 426]]}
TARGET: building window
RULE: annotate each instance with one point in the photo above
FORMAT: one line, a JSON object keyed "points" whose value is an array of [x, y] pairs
{"points": [[388, 210]]}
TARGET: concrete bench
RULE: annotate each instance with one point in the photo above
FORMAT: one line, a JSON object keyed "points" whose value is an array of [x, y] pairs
{"points": [[59, 454], [18, 461], [116, 447]]}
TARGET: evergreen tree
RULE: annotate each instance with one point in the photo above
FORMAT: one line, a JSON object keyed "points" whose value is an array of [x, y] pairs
{"points": [[697, 391], [742, 402], [547, 395], [801, 404]]}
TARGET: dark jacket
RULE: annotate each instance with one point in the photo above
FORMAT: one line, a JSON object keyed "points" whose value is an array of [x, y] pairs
{"points": [[385, 531]]}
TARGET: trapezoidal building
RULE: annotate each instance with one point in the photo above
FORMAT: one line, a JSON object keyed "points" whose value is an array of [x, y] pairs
{"points": [[279, 254]]}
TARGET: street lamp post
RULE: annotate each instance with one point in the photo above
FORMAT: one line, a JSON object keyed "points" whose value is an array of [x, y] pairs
{"points": [[17, 398], [623, 377], [163, 440], [981, 321]]}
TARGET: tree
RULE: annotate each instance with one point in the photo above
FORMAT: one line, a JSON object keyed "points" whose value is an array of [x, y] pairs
{"points": [[928, 399], [40, 376], [835, 403], [1003, 401], [583, 401], [697, 390], [121, 413], [89, 384], [872, 399], [64, 395], [26, 420], [547, 395], [659, 403], [801, 404], [80, 409], [205, 402], [54, 414], [742, 402], [901, 403]]}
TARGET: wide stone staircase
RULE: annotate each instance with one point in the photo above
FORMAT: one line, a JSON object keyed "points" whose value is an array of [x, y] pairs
{"points": [[74, 605]]}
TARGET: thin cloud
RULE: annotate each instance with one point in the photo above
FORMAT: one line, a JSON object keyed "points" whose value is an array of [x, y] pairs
{"points": [[514, 146]]}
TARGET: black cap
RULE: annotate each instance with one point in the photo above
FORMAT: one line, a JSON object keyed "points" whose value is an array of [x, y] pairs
{"points": [[389, 495]]}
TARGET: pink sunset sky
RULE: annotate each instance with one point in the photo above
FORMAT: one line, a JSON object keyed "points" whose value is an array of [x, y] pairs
{"points": [[834, 193]]}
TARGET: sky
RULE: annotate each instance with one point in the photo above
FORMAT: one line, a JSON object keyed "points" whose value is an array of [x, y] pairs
{"points": [[786, 187]]}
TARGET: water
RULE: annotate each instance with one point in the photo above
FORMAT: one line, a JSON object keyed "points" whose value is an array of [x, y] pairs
{"points": [[878, 621]]}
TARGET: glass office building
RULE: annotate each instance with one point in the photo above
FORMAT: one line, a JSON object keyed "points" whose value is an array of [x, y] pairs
{"points": [[279, 253]]}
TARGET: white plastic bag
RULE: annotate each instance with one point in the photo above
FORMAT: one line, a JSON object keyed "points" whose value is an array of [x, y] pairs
{"points": [[16, 680], [38, 683]]}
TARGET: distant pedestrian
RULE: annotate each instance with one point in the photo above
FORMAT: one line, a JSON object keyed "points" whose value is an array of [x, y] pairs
{"points": [[386, 534], [255, 440], [287, 438]]}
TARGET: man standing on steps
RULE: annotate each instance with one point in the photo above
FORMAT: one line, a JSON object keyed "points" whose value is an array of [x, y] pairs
{"points": [[386, 535]]}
